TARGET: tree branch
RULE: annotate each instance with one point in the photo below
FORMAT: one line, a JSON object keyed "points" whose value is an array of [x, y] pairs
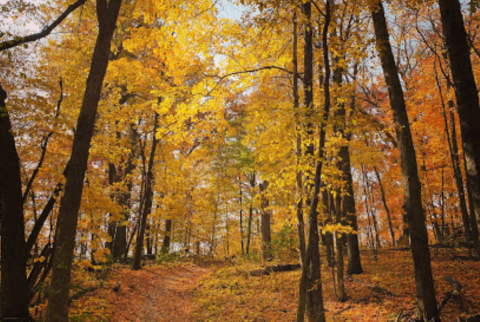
{"points": [[44, 146], [45, 31], [221, 78]]}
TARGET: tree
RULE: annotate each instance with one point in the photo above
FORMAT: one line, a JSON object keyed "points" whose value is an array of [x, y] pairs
{"points": [[107, 14], [311, 271], [467, 101], [427, 305], [14, 288]]}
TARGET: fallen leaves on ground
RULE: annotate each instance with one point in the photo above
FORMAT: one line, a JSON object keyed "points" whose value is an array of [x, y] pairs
{"points": [[158, 293], [231, 294]]}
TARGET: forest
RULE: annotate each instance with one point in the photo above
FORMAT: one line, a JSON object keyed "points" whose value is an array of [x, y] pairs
{"points": [[239, 160]]}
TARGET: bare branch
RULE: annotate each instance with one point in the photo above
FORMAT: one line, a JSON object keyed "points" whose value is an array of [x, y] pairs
{"points": [[45, 31], [44, 146], [221, 78]]}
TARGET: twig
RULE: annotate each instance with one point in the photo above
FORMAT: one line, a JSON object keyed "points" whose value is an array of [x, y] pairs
{"points": [[45, 31]]}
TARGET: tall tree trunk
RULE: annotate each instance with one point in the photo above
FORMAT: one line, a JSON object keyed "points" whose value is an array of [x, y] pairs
{"points": [[348, 206], [214, 226], [14, 287], [148, 201], [340, 213], [299, 181], [426, 302], [312, 271], [369, 206], [227, 228], [451, 133], [148, 238], [339, 242], [467, 101], [327, 237], [241, 220], [111, 225], [166, 239], [120, 241], [354, 262], [266, 222], [385, 205], [250, 212], [57, 310]]}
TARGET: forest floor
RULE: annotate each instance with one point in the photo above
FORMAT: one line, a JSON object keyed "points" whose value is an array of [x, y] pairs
{"points": [[155, 293], [385, 292], [225, 291]]}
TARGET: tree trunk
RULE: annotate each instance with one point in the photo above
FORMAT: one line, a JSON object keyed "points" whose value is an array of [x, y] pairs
{"points": [[339, 213], [214, 226], [147, 208], [14, 287], [451, 133], [299, 181], [370, 206], [354, 262], [120, 241], [266, 222], [166, 239], [327, 237], [339, 242], [57, 310], [250, 212], [149, 239], [387, 210], [312, 271], [426, 302], [124, 199], [111, 225], [467, 101], [241, 220], [348, 205]]}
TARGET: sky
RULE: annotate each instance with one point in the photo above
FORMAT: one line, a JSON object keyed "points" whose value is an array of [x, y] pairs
{"points": [[229, 10]]}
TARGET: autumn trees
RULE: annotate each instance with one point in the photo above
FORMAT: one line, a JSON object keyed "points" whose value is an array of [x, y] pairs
{"points": [[15, 289], [456, 40], [219, 136], [427, 305]]}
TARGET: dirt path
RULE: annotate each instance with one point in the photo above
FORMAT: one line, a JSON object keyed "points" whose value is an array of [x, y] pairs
{"points": [[155, 294]]}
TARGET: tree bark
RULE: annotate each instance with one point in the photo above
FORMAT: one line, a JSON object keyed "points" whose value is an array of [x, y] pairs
{"points": [[354, 262], [451, 133], [369, 202], [250, 212], [214, 226], [148, 201], [266, 223], [426, 302], [166, 239], [14, 287], [120, 241], [312, 271], [340, 214], [299, 180], [111, 225], [241, 220], [339, 242], [387, 209], [467, 99], [57, 310]]}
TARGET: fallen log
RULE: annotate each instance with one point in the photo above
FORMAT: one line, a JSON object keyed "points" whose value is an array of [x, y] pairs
{"points": [[275, 269], [375, 288]]}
